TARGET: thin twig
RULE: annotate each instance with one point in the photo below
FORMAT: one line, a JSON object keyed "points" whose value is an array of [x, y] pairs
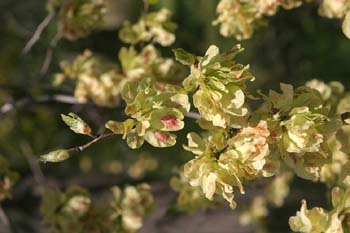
{"points": [[6, 221], [108, 135], [37, 34], [67, 99], [9, 107], [193, 115], [145, 7], [83, 147], [34, 166], [4, 217], [49, 53], [143, 14]]}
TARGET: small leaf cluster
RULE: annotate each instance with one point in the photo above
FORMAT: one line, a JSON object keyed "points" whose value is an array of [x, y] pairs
{"points": [[156, 109], [190, 198], [154, 26], [240, 18], [74, 210], [102, 81], [96, 79], [78, 18], [317, 219], [225, 160], [149, 63], [131, 206], [300, 127], [142, 165], [218, 83]]}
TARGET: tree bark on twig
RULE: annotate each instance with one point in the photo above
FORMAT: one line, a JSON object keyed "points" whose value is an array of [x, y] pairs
{"points": [[37, 34]]}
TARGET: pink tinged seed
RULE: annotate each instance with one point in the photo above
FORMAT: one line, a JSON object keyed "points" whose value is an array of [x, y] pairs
{"points": [[170, 121], [161, 136]]}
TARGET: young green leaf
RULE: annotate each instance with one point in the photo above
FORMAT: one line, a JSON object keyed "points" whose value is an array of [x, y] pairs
{"points": [[184, 57], [160, 139], [120, 127], [55, 156], [134, 141], [76, 124]]}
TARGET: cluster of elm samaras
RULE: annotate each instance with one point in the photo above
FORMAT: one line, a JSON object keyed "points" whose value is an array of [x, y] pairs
{"points": [[240, 18], [75, 210], [300, 131]]}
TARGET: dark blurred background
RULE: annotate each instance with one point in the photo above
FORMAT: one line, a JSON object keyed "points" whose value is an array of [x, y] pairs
{"points": [[297, 46]]}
